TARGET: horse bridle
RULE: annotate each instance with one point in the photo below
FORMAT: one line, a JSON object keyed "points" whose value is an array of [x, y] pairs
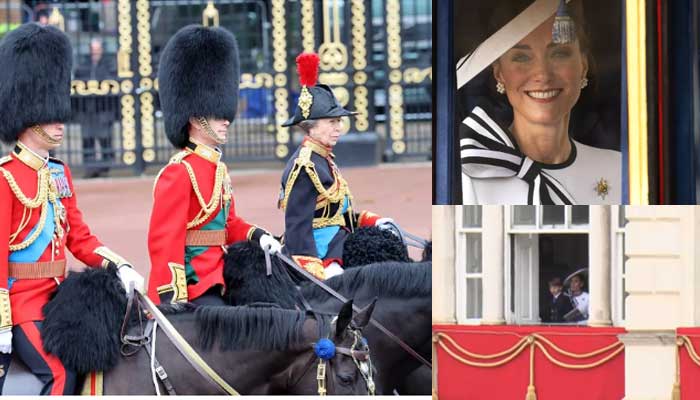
{"points": [[192, 357], [355, 308], [361, 359]]}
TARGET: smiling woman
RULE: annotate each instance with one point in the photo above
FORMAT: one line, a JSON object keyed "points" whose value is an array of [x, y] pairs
{"points": [[520, 87]]}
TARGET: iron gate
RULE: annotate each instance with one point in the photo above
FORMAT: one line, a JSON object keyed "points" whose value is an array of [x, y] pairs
{"points": [[375, 54]]}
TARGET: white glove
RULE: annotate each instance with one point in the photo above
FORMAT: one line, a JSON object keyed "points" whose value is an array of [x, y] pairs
{"points": [[384, 223], [6, 342], [333, 269], [129, 277], [269, 242]]}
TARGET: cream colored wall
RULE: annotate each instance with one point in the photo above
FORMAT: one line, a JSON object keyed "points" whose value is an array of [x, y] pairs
{"points": [[443, 265], [661, 244]]}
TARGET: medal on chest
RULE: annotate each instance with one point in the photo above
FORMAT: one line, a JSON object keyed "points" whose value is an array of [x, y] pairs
{"points": [[60, 183]]}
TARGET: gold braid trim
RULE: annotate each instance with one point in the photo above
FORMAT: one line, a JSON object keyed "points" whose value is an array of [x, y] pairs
{"points": [[531, 341], [41, 194], [177, 285], [334, 194], [5, 311], [46, 193], [207, 209], [110, 257]]}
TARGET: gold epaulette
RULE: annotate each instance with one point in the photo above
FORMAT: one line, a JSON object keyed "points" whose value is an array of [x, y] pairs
{"points": [[5, 160], [178, 157], [302, 161], [175, 159]]}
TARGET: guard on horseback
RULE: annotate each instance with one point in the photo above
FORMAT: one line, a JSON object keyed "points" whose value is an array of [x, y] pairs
{"points": [[316, 200], [194, 213], [39, 214]]}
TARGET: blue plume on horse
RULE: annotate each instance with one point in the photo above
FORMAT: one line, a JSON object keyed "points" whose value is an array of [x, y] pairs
{"points": [[325, 349], [371, 245]]}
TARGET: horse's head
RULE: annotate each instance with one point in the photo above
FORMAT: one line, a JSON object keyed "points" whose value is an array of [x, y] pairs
{"points": [[340, 362]]}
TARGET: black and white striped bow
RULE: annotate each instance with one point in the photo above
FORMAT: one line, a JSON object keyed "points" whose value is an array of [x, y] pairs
{"points": [[487, 151]]}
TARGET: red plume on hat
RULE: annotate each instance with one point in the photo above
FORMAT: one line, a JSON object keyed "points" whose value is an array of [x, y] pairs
{"points": [[307, 66]]}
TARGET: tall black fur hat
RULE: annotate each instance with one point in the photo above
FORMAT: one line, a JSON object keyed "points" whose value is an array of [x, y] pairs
{"points": [[198, 77], [35, 73]]}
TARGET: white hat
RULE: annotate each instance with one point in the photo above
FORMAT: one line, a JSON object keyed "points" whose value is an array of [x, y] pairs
{"points": [[504, 39]]}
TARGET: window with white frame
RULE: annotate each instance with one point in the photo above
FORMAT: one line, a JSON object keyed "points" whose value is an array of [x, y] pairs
{"points": [[468, 264], [542, 243], [619, 293]]}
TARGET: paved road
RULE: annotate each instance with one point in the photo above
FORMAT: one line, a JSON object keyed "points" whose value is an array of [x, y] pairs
{"points": [[118, 209]]}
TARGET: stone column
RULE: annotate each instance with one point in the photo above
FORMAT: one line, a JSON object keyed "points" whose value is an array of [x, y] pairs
{"points": [[444, 265], [492, 264], [599, 276]]}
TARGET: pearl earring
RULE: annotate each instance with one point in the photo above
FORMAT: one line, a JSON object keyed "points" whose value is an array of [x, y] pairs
{"points": [[584, 82], [500, 88]]}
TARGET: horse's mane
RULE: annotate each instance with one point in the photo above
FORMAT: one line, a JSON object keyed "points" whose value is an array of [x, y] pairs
{"points": [[387, 278], [252, 328]]}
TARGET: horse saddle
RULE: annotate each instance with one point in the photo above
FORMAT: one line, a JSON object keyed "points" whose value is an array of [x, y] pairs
{"points": [[16, 378]]}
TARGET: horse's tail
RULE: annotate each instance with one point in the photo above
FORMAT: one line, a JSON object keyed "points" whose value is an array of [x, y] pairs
{"points": [[83, 319]]}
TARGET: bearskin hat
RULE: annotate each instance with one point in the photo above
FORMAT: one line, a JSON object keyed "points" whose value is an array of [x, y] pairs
{"points": [[198, 77], [35, 74], [316, 101]]}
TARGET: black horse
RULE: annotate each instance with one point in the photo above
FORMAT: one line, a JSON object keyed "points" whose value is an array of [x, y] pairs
{"points": [[257, 349], [403, 290]]}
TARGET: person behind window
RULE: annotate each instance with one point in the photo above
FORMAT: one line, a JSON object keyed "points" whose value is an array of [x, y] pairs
{"points": [[559, 304], [579, 299]]}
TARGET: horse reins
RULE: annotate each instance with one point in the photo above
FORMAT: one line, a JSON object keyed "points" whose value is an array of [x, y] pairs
{"points": [[407, 238], [340, 297], [176, 339]]}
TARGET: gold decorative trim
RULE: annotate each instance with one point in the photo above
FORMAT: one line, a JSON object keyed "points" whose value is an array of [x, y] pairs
{"points": [[333, 78], [210, 13], [146, 99], [417, 75], [393, 29], [94, 87], [308, 39], [332, 53], [250, 81], [128, 129], [29, 157], [110, 256], [306, 100], [125, 39], [359, 63], [56, 19], [177, 285], [5, 310], [279, 64]]}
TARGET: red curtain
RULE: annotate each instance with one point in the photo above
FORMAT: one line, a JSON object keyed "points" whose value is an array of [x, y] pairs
{"points": [[510, 381], [690, 372]]}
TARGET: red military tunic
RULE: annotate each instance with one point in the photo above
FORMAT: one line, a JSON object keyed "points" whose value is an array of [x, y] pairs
{"points": [[26, 178], [193, 217]]}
